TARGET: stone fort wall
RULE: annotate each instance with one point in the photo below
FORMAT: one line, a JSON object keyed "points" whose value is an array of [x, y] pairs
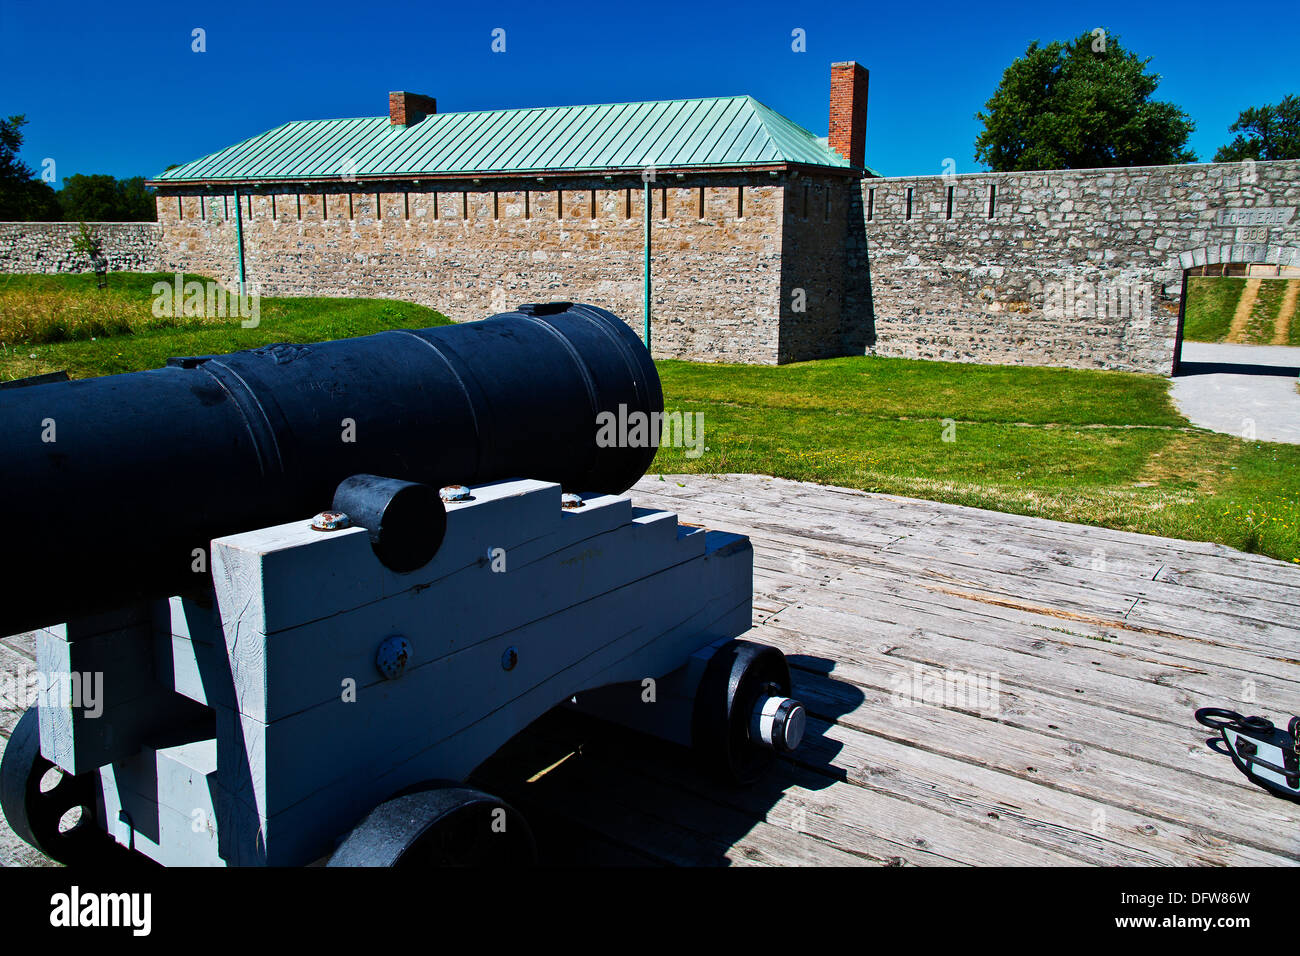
{"points": [[816, 219], [1080, 268], [471, 251], [46, 247]]}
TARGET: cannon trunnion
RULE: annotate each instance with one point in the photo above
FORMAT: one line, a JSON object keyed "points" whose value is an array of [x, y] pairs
{"points": [[333, 679]]}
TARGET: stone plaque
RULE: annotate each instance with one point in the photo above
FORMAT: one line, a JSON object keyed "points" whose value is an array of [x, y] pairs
{"points": [[1247, 234], [1256, 216]]}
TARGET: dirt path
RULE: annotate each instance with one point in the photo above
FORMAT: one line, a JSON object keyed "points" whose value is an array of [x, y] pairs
{"points": [[1241, 318], [1282, 324]]}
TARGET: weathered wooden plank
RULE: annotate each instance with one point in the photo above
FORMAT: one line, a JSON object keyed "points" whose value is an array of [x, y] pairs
{"points": [[803, 797], [1077, 602], [18, 680], [1106, 777], [786, 797], [882, 599], [1125, 579], [1171, 739], [745, 515], [1218, 581], [870, 733], [1108, 567], [1217, 621], [727, 834], [682, 490], [833, 498], [23, 644], [1093, 831], [964, 613], [1179, 748], [1111, 565], [1158, 694]]}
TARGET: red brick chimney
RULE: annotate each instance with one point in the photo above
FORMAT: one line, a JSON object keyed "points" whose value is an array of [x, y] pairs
{"points": [[848, 129], [407, 109]]}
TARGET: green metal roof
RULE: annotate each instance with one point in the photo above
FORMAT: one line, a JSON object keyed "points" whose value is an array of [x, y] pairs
{"points": [[718, 132]]}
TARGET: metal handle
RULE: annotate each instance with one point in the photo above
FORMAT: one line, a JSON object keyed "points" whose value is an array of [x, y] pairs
{"points": [[1206, 716]]}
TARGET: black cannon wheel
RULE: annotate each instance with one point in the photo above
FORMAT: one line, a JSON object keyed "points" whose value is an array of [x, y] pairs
{"points": [[38, 815], [736, 676], [442, 826]]}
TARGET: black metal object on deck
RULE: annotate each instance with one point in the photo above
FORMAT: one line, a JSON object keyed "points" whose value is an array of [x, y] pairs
{"points": [[115, 486]]}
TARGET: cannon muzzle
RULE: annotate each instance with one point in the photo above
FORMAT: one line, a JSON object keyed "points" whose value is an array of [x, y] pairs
{"points": [[115, 486]]}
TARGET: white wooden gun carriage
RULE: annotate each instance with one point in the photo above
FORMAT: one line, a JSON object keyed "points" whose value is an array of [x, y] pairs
{"points": [[321, 695]]}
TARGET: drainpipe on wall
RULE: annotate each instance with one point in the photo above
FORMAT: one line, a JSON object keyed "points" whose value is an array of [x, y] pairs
{"points": [[645, 301], [239, 240]]}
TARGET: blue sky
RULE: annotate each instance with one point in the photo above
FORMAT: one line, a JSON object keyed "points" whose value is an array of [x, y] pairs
{"points": [[115, 87]]}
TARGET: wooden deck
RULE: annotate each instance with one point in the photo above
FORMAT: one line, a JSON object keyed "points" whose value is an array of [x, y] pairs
{"points": [[1102, 644]]}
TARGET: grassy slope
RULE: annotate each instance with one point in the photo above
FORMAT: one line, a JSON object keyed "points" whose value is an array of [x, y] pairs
{"points": [[130, 298], [1212, 301], [1104, 448]]}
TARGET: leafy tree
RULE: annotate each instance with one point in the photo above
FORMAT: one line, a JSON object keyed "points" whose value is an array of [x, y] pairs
{"points": [[1273, 132], [1082, 104], [87, 242], [89, 198], [138, 202], [101, 198], [23, 196]]}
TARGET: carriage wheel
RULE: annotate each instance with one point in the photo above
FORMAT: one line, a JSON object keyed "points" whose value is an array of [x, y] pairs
{"points": [[743, 712], [40, 801], [442, 826]]}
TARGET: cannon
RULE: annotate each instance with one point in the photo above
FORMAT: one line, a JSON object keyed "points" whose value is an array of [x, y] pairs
{"points": [[286, 600]]}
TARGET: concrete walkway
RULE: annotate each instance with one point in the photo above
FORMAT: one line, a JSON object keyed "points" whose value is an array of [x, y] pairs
{"points": [[1227, 388]]}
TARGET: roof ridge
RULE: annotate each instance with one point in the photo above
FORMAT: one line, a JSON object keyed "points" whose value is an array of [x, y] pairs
{"points": [[704, 131], [526, 109]]}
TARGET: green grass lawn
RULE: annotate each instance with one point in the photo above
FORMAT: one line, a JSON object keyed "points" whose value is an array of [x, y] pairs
{"points": [[91, 331], [1212, 302], [1102, 448]]}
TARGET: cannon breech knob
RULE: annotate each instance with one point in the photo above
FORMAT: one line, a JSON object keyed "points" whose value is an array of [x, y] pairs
{"points": [[778, 722]]}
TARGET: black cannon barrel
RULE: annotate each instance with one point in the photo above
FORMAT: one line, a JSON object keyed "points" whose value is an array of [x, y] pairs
{"points": [[113, 487]]}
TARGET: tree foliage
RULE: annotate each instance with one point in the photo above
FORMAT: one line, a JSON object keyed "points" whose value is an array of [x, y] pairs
{"points": [[24, 197], [87, 242], [101, 198], [1081, 104], [1270, 132]]}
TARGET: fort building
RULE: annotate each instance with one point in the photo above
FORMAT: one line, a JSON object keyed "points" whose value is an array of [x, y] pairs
{"points": [[769, 244]]}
